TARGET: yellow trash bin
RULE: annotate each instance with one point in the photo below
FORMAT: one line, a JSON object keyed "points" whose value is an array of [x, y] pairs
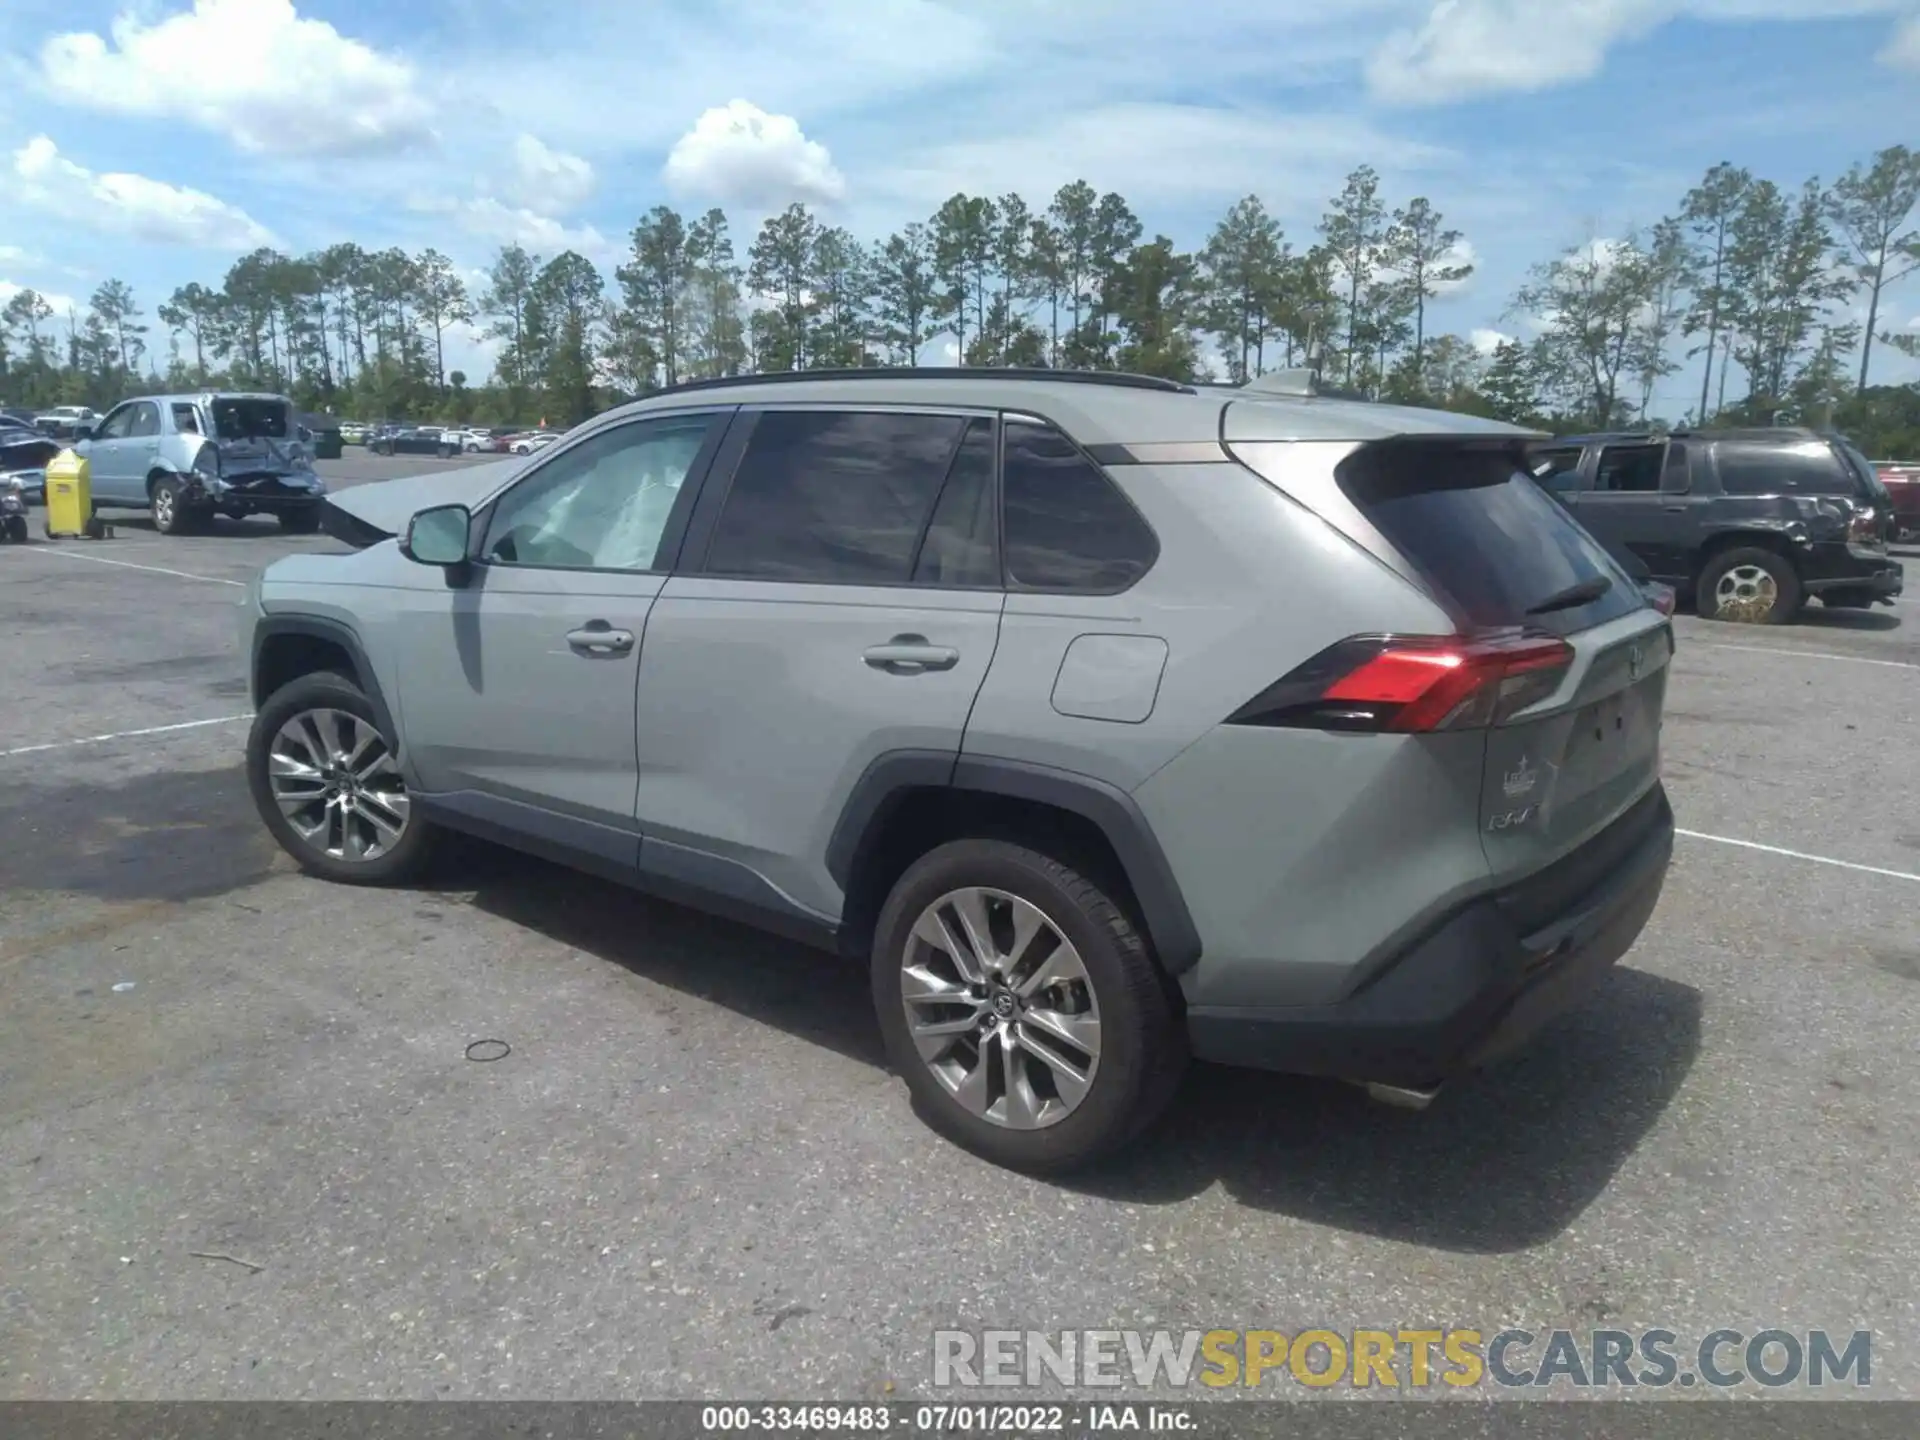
{"points": [[69, 495]]}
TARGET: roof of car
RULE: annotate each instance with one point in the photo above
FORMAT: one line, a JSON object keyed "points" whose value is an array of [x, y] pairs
{"points": [[1093, 405]]}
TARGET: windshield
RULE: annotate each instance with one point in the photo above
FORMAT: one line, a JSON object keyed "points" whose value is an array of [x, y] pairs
{"points": [[235, 419]]}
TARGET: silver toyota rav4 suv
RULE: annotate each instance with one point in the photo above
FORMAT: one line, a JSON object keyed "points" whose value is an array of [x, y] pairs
{"points": [[1109, 720]]}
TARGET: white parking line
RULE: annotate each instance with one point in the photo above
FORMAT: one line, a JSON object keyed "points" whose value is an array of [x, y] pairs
{"points": [[123, 735], [1799, 855], [1804, 654], [129, 565]]}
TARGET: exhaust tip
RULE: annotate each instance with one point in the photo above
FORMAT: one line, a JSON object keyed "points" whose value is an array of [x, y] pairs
{"points": [[1401, 1097]]}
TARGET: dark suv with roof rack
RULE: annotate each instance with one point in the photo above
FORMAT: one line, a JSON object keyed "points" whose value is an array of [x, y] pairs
{"points": [[1747, 523]]}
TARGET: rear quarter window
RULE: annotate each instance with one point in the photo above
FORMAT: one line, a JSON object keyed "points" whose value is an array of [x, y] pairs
{"points": [[1810, 468], [1479, 530]]}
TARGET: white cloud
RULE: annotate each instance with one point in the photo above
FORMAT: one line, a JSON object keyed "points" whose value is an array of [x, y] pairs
{"points": [[1472, 47], [1902, 50], [738, 154], [546, 180], [252, 70], [496, 221], [1159, 155], [1485, 341], [133, 205]]}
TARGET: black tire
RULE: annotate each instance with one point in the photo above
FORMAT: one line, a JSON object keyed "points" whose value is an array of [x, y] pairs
{"points": [[328, 690], [304, 521], [1143, 1049], [1788, 597], [172, 515]]}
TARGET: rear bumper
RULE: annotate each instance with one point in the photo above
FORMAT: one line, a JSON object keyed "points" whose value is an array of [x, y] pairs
{"points": [[1476, 987], [1848, 567]]}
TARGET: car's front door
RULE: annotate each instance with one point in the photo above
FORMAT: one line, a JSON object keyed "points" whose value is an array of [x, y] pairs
{"points": [[517, 689], [839, 599], [111, 458], [1627, 509]]}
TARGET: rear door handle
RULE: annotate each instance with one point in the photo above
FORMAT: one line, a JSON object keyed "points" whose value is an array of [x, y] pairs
{"points": [[596, 637], [911, 655]]}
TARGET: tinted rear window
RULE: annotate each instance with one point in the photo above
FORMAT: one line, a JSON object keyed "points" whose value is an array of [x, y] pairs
{"points": [[1807, 468], [1480, 531], [252, 419]]}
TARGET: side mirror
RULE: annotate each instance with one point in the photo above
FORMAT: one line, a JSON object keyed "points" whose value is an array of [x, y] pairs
{"points": [[438, 536]]}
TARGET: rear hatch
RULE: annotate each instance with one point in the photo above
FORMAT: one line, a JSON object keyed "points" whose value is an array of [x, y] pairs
{"points": [[256, 435], [1557, 659]]}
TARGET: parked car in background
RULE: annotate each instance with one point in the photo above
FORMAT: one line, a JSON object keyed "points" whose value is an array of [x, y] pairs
{"points": [[63, 422], [532, 441], [1071, 704], [1903, 489], [354, 432], [187, 458], [24, 453], [1748, 524], [323, 435], [405, 440]]}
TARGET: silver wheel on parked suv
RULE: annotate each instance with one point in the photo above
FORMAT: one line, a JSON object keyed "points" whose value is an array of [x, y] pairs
{"points": [[336, 783], [1001, 1008]]}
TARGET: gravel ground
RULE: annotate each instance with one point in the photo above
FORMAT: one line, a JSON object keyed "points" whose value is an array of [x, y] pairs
{"points": [[692, 1176]]}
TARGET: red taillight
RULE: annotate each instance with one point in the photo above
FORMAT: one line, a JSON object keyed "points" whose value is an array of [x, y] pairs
{"points": [[1411, 684], [1661, 597]]}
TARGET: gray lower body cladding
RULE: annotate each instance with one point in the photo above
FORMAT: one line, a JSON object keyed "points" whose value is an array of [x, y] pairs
{"points": [[1480, 983]]}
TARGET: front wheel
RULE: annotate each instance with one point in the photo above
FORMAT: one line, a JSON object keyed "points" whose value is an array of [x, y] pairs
{"points": [[327, 782], [1749, 586], [171, 513], [17, 529], [1022, 1007]]}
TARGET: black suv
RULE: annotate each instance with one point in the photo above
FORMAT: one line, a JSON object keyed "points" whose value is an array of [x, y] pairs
{"points": [[1747, 523]]}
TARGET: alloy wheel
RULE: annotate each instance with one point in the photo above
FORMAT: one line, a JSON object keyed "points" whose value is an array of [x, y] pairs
{"points": [[1746, 592], [337, 783], [1001, 1008], [163, 507]]}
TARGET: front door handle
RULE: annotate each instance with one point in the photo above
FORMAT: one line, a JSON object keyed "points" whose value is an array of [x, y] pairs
{"points": [[910, 655], [596, 637]]}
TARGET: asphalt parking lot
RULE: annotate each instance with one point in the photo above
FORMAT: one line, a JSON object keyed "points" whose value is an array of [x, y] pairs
{"points": [[246, 1155]]}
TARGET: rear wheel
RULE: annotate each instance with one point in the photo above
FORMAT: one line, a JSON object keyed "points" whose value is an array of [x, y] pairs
{"points": [[1749, 586], [327, 782], [1022, 1008]]}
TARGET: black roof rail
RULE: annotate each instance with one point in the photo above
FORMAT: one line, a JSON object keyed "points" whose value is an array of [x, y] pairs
{"points": [[1118, 378]]}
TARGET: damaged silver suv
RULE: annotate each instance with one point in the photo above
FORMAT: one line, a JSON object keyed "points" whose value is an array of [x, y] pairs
{"points": [[187, 458]]}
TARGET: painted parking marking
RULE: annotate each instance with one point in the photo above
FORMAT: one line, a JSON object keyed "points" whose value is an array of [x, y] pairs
{"points": [[1799, 855], [1804, 654], [123, 735], [129, 565]]}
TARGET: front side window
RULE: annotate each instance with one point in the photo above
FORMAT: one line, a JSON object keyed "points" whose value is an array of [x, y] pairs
{"points": [[1067, 526], [834, 496], [116, 426], [604, 504]]}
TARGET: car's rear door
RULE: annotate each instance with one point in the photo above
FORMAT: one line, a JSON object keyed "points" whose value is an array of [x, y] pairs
{"points": [[839, 599], [1630, 510]]}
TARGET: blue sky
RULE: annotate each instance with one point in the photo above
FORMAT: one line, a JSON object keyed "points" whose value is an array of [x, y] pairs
{"points": [[154, 140]]}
